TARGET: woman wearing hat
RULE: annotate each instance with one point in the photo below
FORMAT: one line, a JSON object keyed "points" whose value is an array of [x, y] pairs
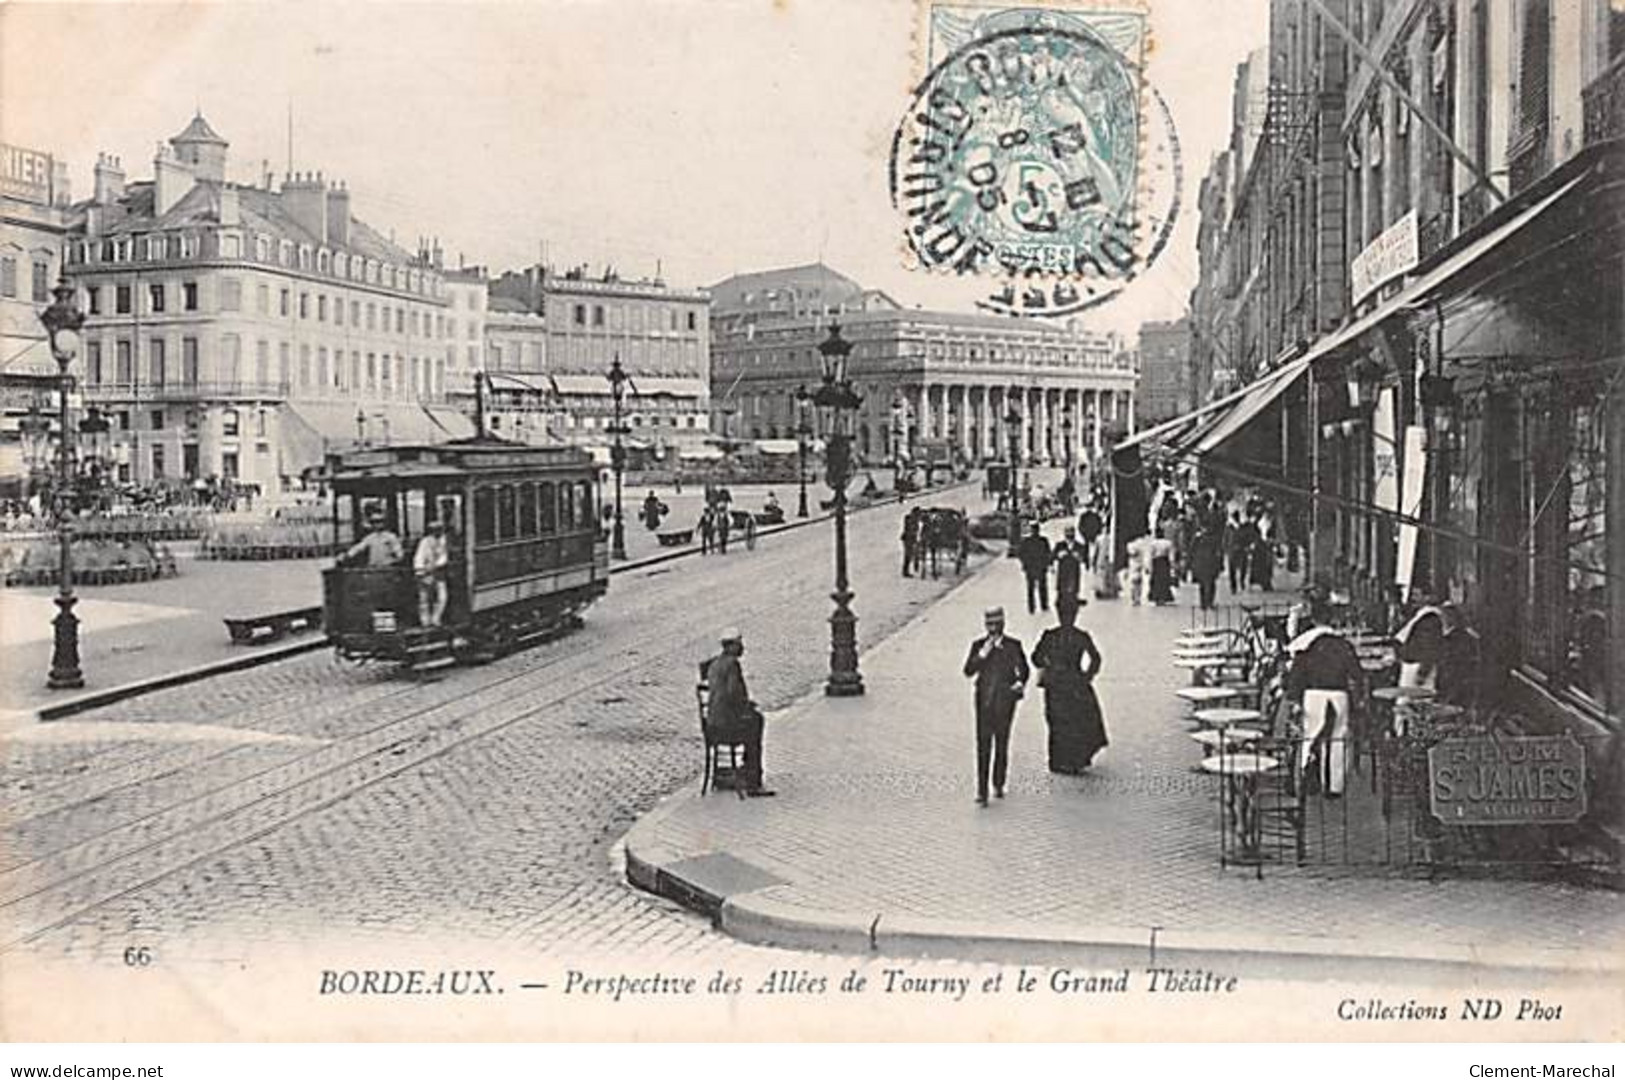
{"points": [[1077, 730]]}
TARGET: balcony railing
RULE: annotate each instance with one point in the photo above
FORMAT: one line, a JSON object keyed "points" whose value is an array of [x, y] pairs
{"points": [[187, 391], [1604, 102]]}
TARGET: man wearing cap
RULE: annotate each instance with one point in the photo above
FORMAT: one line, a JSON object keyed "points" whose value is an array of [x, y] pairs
{"points": [[1000, 668], [429, 563], [732, 715], [379, 548]]}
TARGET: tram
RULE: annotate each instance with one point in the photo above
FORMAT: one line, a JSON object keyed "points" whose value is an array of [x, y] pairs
{"points": [[526, 552]]}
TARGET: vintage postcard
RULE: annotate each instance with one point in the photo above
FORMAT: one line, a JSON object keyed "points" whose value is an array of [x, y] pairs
{"points": [[812, 519]]}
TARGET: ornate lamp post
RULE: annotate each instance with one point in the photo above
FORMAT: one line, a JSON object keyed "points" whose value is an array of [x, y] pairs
{"points": [[1012, 424], [36, 438], [62, 322], [617, 455], [1066, 437], [899, 439], [803, 433], [840, 401], [95, 446]]}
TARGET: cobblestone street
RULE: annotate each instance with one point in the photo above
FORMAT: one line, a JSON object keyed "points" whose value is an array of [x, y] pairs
{"points": [[308, 799]]}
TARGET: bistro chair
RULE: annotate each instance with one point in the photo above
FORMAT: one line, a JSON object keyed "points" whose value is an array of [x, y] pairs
{"points": [[714, 746]]}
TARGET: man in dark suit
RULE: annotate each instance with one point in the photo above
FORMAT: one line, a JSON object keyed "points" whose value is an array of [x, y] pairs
{"points": [[1034, 555], [732, 716], [1000, 668]]}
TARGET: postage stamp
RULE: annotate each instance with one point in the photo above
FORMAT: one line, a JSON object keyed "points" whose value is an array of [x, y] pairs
{"points": [[1035, 153]]}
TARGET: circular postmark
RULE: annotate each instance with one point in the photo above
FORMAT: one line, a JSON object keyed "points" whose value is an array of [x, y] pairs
{"points": [[1026, 156]]}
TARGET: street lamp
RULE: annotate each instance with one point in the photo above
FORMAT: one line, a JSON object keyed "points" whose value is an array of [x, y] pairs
{"points": [[803, 433], [841, 402], [95, 445], [62, 321], [618, 379], [899, 439], [1012, 424], [1066, 437], [35, 431]]}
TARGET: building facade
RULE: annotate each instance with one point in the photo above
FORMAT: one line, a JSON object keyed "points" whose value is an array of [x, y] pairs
{"points": [[245, 331], [930, 380], [1166, 385], [553, 337], [1441, 332], [34, 197]]}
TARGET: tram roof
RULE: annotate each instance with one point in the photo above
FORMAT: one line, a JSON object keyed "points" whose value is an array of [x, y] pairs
{"points": [[461, 457]]}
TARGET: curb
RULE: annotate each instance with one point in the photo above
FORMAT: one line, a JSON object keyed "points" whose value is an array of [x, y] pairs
{"points": [[98, 698], [762, 916], [763, 920]]}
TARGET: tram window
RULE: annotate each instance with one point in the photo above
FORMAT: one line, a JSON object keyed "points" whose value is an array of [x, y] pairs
{"points": [[567, 517], [485, 515], [450, 513], [507, 513], [527, 509], [417, 510], [549, 508], [584, 503]]}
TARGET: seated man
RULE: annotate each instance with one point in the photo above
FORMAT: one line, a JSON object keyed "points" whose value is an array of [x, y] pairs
{"points": [[733, 716], [378, 548]]}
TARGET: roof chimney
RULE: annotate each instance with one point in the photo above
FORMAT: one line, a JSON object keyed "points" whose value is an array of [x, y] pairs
{"points": [[338, 215], [109, 179], [171, 180], [304, 197]]}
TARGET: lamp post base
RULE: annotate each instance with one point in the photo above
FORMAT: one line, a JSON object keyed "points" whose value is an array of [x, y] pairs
{"points": [[65, 673], [844, 678], [617, 541]]}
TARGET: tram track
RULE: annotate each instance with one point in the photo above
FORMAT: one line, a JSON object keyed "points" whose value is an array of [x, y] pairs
{"points": [[71, 881]]}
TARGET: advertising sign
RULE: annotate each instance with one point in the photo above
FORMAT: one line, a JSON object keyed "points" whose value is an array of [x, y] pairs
{"points": [[1537, 780], [25, 174], [1389, 255]]}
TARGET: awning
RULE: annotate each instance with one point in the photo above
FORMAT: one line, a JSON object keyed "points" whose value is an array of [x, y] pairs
{"points": [[1203, 430], [778, 446], [639, 386], [313, 429], [29, 358], [699, 453]]}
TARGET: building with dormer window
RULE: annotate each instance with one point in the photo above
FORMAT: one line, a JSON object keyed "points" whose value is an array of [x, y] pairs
{"points": [[245, 331]]}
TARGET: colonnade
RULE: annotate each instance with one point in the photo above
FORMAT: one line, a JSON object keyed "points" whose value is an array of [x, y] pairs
{"points": [[975, 418]]}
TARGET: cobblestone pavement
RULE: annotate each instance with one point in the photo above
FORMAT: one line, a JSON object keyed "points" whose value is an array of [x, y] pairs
{"points": [[307, 799], [885, 783]]}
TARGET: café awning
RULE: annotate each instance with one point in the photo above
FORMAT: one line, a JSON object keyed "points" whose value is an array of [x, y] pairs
{"points": [[1202, 431], [313, 429]]}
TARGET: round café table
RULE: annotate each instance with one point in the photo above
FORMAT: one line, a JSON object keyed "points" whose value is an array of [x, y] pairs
{"points": [[1213, 739], [1224, 716], [1241, 773], [1208, 695]]}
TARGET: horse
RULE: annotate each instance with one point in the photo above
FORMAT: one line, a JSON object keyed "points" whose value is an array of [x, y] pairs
{"points": [[943, 532]]}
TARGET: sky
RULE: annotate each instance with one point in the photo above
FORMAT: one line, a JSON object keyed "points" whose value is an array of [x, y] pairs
{"points": [[699, 137]]}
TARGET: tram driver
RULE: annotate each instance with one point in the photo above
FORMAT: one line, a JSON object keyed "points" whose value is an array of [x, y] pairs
{"points": [[378, 548]]}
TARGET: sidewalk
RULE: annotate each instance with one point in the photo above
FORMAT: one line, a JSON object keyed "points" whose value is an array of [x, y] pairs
{"points": [[874, 841], [142, 630]]}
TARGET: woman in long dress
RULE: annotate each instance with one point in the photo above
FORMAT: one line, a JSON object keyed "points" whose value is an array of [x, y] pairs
{"points": [[1077, 731], [1162, 570]]}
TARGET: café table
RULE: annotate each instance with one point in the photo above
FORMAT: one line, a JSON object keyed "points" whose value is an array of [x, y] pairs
{"points": [[1225, 716], [1241, 773]]}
